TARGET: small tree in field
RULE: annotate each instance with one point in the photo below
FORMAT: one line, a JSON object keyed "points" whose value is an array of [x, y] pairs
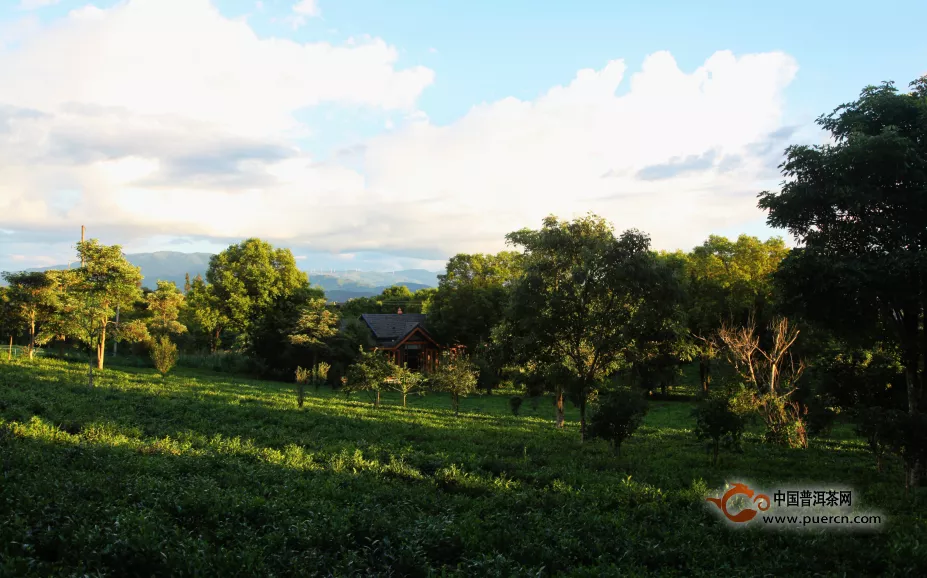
{"points": [[320, 373], [406, 381], [369, 373], [302, 377], [456, 375], [163, 354], [618, 417], [718, 423]]}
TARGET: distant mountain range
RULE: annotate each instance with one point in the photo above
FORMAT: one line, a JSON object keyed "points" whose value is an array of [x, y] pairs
{"points": [[338, 285]]}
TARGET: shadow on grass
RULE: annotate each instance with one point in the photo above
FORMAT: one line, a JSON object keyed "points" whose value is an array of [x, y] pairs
{"points": [[94, 502]]}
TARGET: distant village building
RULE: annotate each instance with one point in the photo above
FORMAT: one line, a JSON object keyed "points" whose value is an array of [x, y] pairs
{"points": [[404, 339]]}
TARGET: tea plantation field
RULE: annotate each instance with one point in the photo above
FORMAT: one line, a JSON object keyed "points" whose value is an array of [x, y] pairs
{"points": [[211, 475]]}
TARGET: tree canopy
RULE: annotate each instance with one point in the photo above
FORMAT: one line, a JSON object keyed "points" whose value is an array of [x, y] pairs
{"points": [[858, 208]]}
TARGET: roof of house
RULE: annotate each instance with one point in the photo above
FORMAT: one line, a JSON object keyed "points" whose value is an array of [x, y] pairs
{"points": [[391, 328]]}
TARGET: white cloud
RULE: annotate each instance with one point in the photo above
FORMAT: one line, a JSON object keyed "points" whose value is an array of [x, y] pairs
{"points": [[303, 10], [307, 8], [35, 4], [128, 121]]}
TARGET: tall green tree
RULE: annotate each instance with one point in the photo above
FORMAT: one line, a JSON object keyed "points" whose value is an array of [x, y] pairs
{"points": [[164, 305], [316, 325], [201, 314], [858, 209], [456, 375], [729, 282], [248, 278], [105, 281], [472, 297], [585, 297], [31, 297], [370, 373]]}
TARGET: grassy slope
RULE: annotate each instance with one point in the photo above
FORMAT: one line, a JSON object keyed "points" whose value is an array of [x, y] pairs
{"points": [[209, 474]]}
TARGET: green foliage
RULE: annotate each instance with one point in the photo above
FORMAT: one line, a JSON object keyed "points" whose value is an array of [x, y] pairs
{"points": [[28, 300], [857, 376], [201, 314], [369, 373], [316, 323], [248, 279], [163, 354], [586, 296], [472, 297], [92, 293], [515, 404], [858, 209], [405, 381], [164, 306], [302, 378], [726, 282], [389, 301], [456, 375], [717, 422], [617, 417]]}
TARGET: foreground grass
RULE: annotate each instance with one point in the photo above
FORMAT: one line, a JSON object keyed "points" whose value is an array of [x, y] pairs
{"points": [[207, 474]]}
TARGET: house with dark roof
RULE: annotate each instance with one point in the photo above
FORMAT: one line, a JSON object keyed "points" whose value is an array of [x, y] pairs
{"points": [[404, 338]]}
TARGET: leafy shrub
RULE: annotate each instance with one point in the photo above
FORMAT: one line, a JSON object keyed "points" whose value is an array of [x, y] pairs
{"points": [[321, 373], [820, 416], [716, 421], [617, 417], [515, 404], [163, 354], [302, 378], [785, 421]]}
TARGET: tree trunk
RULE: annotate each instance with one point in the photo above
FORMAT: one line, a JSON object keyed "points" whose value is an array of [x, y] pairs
{"points": [[31, 337], [663, 389], [403, 399], [582, 419], [560, 416], [214, 342], [456, 405], [90, 364], [703, 374], [377, 404], [101, 348]]}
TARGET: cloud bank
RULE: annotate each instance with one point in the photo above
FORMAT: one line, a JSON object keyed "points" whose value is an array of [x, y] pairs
{"points": [[163, 117]]}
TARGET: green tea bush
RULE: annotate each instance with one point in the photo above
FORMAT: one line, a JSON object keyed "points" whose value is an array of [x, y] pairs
{"points": [[617, 417], [718, 423], [163, 354]]}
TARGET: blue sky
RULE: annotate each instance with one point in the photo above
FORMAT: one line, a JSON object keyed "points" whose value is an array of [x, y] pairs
{"points": [[435, 128]]}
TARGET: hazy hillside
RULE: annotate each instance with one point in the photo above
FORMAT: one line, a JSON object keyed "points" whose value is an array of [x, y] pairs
{"points": [[338, 285]]}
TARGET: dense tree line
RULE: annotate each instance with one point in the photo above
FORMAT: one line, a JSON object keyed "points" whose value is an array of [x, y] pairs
{"points": [[591, 316]]}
